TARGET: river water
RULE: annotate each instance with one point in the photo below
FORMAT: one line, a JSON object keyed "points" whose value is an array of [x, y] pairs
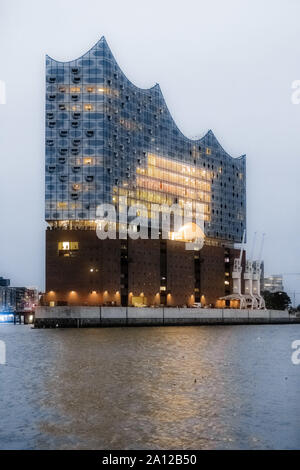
{"points": [[208, 387]]}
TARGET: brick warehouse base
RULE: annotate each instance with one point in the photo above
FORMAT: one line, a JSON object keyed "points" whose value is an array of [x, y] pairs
{"points": [[83, 270], [75, 317]]}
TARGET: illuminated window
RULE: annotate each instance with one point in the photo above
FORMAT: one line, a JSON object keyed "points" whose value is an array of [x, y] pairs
{"points": [[88, 107], [62, 205], [208, 151], [87, 161], [140, 301], [67, 249]]}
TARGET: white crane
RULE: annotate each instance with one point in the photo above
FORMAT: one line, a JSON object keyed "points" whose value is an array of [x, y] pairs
{"points": [[251, 300], [256, 276], [237, 277]]}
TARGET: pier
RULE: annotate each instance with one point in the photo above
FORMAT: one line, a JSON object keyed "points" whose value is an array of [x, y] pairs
{"points": [[80, 317]]}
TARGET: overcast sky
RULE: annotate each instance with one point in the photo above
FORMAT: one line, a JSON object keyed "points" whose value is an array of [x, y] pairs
{"points": [[222, 65]]}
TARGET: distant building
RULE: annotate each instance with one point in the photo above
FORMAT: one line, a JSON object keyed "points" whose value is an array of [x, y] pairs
{"points": [[274, 283], [26, 298], [7, 299], [4, 282], [16, 299]]}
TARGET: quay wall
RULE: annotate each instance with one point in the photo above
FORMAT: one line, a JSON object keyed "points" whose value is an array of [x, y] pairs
{"points": [[132, 316]]}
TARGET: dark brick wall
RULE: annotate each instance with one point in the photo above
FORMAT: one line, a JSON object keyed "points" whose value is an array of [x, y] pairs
{"points": [[144, 268], [73, 282], [180, 273]]}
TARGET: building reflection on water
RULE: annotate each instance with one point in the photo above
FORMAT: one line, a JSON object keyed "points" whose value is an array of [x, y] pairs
{"points": [[166, 388]]}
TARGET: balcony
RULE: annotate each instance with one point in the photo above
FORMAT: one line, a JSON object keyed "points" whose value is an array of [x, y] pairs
{"points": [[76, 169]]}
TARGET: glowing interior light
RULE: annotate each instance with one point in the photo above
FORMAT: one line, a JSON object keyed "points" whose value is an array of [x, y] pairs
{"points": [[187, 233], [88, 107]]}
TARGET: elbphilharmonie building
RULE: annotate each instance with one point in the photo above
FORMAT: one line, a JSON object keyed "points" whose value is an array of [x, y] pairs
{"points": [[107, 139]]}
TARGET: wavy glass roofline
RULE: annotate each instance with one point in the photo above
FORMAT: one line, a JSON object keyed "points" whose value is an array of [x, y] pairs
{"points": [[156, 87]]}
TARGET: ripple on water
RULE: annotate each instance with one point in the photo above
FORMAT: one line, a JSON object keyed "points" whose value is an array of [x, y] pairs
{"points": [[150, 388]]}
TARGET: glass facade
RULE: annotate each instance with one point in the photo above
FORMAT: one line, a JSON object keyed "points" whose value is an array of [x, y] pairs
{"points": [[107, 138]]}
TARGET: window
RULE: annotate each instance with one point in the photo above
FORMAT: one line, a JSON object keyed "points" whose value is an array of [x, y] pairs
{"points": [[62, 205], [67, 249], [208, 151], [68, 245]]}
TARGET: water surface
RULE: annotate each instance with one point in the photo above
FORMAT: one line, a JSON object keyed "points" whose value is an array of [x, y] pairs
{"points": [[203, 387]]}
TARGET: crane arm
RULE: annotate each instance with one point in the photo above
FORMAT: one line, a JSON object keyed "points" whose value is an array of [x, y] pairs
{"points": [[242, 245]]}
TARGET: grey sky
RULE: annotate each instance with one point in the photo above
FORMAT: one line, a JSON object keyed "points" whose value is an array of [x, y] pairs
{"points": [[225, 65]]}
